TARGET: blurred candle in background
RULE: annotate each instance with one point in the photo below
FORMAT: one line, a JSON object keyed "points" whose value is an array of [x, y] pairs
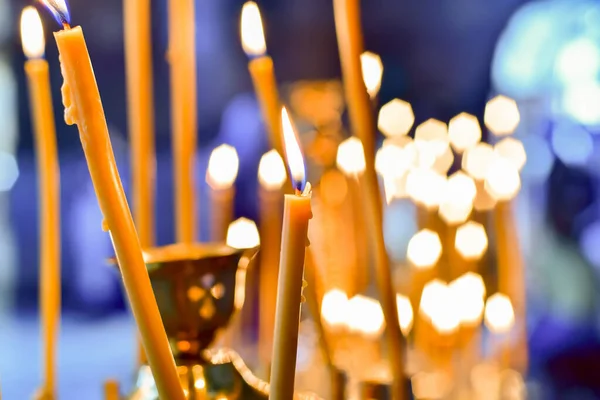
{"points": [[262, 72], [221, 173], [42, 116], [271, 176], [372, 70], [184, 110]]}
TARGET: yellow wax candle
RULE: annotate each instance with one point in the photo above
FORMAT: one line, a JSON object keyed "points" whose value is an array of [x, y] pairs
{"points": [[40, 101], [222, 170], [83, 107], [140, 109], [271, 176], [182, 59], [111, 390], [296, 213], [262, 72]]}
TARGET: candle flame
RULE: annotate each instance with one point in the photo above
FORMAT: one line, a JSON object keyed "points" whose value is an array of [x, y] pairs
{"points": [[271, 171], [350, 157], [223, 166], [365, 316], [59, 9], [499, 314], [372, 71], [292, 152], [32, 33], [334, 309], [253, 36], [242, 234]]}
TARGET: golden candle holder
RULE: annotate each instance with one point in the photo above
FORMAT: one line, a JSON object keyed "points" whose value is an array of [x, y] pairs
{"points": [[199, 288]]}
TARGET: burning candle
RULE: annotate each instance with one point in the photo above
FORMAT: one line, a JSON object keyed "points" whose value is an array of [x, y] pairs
{"points": [[182, 59], [262, 72], [271, 176], [296, 213], [40, 100], [83, 107], [372, 70], [222, 171]]}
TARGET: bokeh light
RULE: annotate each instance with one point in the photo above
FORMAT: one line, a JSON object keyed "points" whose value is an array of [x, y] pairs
{"points": [[424, 249], [579, 102], [471, 240], [476, 160], [242, 234], [539, 158], [513, 150], [372, 70], [429, 297], [501, 115], [271, 171], [395, 118], [432, 135], [223, 166], [578, 61], [502, 179], [464, 132], [9, 171], [389, 161], [405, 313], [469, 292], [365, 316], [425, 187], [334, 309], [571, 143], [458, 198], [444, 161], [499, 314], [351, 157]]}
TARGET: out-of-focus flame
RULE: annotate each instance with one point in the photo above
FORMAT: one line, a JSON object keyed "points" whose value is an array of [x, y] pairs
{"points": [[424, 249], [468, 291], [59, 10], [502, 179], [271, 171], [223, 166], [439, 305], [32, 33], [291, 146], [471, 240], [334, 309], [242, 234], [372, 71], [253, 36], [405, 313], [499, 314], [351, 157], [365, 316]]}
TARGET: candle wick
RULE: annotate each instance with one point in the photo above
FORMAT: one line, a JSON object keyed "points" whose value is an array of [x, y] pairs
{"points": [[66, 25]]}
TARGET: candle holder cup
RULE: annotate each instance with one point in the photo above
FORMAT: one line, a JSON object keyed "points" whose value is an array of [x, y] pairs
{"points": [[199, 289]]}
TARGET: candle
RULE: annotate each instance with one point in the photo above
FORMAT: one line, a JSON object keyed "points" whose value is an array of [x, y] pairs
{"points": [[374, 225], [40, 100], [372, 70], [296, 213], [222, 171], [262, 72], [271, 176], [111, 390], [182, 59], [140, 104], [83, 107]]}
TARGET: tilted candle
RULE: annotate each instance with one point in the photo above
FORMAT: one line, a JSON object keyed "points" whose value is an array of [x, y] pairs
{"points": [[83, 107], [297, 212], [42, 115], [221, 173], [262, 72]]}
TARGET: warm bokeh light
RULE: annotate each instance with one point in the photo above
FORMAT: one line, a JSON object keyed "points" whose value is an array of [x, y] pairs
{"points": [[476, 160], [513, 150], [444, 161], [242, 234], [405, 313], [223, 166], [291, 146], [395, 118], [464, 132], [502, 179], [499, 314], [334, 309], [32, 33], [484, 201], [251, 28], [372, 71], [458, 197], [271, 171], [426, 187], [365, 316], [471, 240], [424, 249], [469, 293], [390, 160], [440, 307], [351, 157], [432, 135], [501, 115], [395, 188]]}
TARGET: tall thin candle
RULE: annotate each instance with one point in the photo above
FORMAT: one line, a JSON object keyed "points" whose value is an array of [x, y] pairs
{"points": [[40, 100], [182, 59], [83, 107], [296, 213]]}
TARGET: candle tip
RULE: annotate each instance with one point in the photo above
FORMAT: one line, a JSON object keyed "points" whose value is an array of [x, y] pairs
{"points": [[292, 152], [32, 33], [253, 36]]}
